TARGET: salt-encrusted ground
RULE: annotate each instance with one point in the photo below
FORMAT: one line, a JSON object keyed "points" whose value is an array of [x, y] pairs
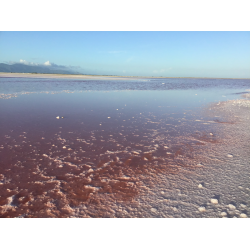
{"points": [[147, 165], [218, 187]]}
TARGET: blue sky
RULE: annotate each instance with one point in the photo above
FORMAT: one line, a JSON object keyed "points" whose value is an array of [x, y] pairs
{"points": [[164, 53]]}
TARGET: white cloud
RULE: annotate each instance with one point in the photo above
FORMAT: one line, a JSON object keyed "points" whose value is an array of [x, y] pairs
{"points": [[23, 61], [47, 63], [31, 63], [51, 65], [27, 63]]}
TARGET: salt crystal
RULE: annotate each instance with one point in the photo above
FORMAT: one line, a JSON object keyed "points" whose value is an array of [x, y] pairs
{"points": [[243, 216], [202, 209], [231, 206], [137, 153], [214, 201], [223, 214], [154, 210]]}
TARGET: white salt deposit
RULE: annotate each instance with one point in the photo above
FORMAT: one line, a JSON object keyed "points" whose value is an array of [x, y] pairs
{"points": [[230, 155], [200, 186], [231, 206], [154, 210], [243, 216], [223, 214], [135, 152], [202, 209], [214, 201]]}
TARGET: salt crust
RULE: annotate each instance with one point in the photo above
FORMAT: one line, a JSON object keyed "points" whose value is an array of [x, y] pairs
{"points": [[243, 216], [231, 206], [223, 214], [202, 209], [214, 201]]}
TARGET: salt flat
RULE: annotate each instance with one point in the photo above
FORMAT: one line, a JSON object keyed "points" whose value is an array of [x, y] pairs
{"points": [[138, 148]]}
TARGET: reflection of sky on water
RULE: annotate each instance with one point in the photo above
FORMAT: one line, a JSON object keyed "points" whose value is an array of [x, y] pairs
{"points": [[111, 144], [13, 85]]}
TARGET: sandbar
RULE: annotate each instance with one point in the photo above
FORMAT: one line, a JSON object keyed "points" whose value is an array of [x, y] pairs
{"points": [[90, 77]]}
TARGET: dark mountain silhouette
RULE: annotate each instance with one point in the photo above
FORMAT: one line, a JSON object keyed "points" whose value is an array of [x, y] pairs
{"points": [[23, 68]]}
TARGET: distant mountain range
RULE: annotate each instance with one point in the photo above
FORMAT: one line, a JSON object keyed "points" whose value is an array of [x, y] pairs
{"points": [[23, 68]]}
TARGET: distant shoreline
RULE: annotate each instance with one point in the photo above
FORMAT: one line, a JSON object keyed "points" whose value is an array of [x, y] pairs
{"points": [[32, 75]]}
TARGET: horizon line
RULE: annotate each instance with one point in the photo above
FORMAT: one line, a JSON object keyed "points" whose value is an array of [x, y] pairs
{"points": [[55, 74]]}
